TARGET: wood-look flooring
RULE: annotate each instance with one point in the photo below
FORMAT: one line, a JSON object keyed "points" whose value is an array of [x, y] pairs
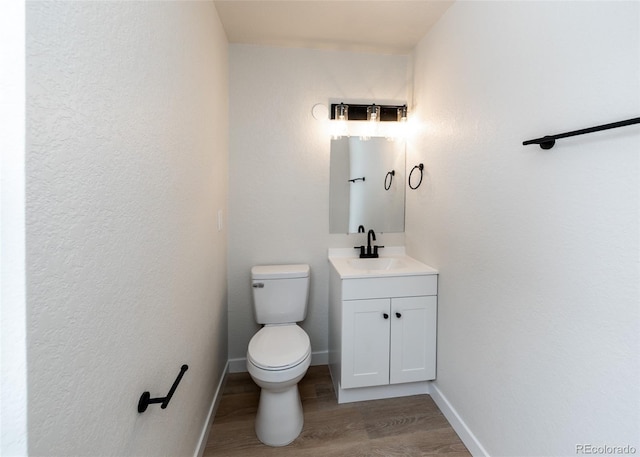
{"points": [[409, 426]]}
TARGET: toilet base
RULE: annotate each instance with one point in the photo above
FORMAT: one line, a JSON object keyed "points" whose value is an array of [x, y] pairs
{"points": [[279, 419]]}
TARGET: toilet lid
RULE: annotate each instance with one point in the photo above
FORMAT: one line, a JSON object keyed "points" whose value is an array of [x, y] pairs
{"points": [[278, 347]]}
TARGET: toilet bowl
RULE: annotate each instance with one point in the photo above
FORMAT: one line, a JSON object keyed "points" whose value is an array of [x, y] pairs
{"points": [[277, 359]]}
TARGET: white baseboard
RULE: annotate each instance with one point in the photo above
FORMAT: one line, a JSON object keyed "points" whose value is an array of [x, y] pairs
{"points": [[204, 436], [461, 428], [237, 365], [320, 358], [240, 365]]}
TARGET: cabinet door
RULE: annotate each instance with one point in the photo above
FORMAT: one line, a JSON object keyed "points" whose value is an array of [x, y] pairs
{"points": [[413, 339], [365, 342]]}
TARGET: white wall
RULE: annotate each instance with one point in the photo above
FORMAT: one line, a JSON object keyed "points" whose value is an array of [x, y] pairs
{"points": [[13, 342], [537, 250], [126, 166], [279, 166]]}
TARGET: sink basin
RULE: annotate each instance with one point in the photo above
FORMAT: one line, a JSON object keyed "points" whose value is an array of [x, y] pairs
{"points": [[382, 263], [393, 262]]}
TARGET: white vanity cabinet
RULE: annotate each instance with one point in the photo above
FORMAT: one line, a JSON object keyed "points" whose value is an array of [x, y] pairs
{"points": [[388, 341], [382, 334]]}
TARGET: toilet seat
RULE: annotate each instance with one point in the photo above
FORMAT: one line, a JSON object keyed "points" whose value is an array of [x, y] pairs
{"points": [[279, 347]]}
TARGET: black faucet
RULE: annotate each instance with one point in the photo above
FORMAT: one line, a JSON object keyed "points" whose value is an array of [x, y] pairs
{"points": [[369, 253], [361, 229], [370, 234]]}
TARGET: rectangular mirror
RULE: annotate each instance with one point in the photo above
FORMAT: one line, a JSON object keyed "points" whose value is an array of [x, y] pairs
{"points": [[367, 179]]}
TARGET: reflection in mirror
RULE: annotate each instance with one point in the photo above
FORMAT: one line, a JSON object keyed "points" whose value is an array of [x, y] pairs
{"points": [[377, 201]]}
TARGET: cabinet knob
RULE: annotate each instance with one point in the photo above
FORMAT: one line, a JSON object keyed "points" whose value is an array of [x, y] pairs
{"points": [[385, 315], [398, 315]]}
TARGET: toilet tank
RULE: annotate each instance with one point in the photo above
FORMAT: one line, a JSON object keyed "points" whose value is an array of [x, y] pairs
{"points": [[280, 293]]}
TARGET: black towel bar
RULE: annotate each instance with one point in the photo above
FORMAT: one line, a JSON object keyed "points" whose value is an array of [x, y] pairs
{"points": [[547, 142]]}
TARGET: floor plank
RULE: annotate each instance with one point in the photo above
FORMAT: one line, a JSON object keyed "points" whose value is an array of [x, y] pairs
{"points": [[409, 426]]}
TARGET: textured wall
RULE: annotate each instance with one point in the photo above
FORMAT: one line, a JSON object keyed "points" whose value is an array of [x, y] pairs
{"points": [[279, 166], [126, 167], [537, 250], [13, 353]]}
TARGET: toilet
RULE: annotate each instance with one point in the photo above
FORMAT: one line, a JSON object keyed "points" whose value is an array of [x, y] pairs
{"points": [[280, 353]]}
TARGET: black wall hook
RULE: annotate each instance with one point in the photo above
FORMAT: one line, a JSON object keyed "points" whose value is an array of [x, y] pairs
{"points": [[146, 400], [418, 167]]}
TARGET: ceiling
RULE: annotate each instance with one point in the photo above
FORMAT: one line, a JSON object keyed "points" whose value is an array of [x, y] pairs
{"points": [[391, 26]]}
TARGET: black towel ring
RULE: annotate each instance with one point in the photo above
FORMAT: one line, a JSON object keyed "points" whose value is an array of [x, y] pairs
{"points": [[419, 167], [390, 175]]}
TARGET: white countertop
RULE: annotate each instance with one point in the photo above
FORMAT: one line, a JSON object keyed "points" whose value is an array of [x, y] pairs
{"points": [[347, 263]]}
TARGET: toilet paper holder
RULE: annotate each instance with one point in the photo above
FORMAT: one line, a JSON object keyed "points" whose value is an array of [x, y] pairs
{"points": [[146, 400]]}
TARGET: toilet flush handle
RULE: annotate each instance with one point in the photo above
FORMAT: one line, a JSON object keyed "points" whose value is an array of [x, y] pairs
{"points": [[258, 285]]}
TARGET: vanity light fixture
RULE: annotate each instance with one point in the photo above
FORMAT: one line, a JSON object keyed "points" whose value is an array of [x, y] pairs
{"points": [[379, 120], [402, 114], [358, 112], [373, 118], [373, 113], [341, 112]]}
